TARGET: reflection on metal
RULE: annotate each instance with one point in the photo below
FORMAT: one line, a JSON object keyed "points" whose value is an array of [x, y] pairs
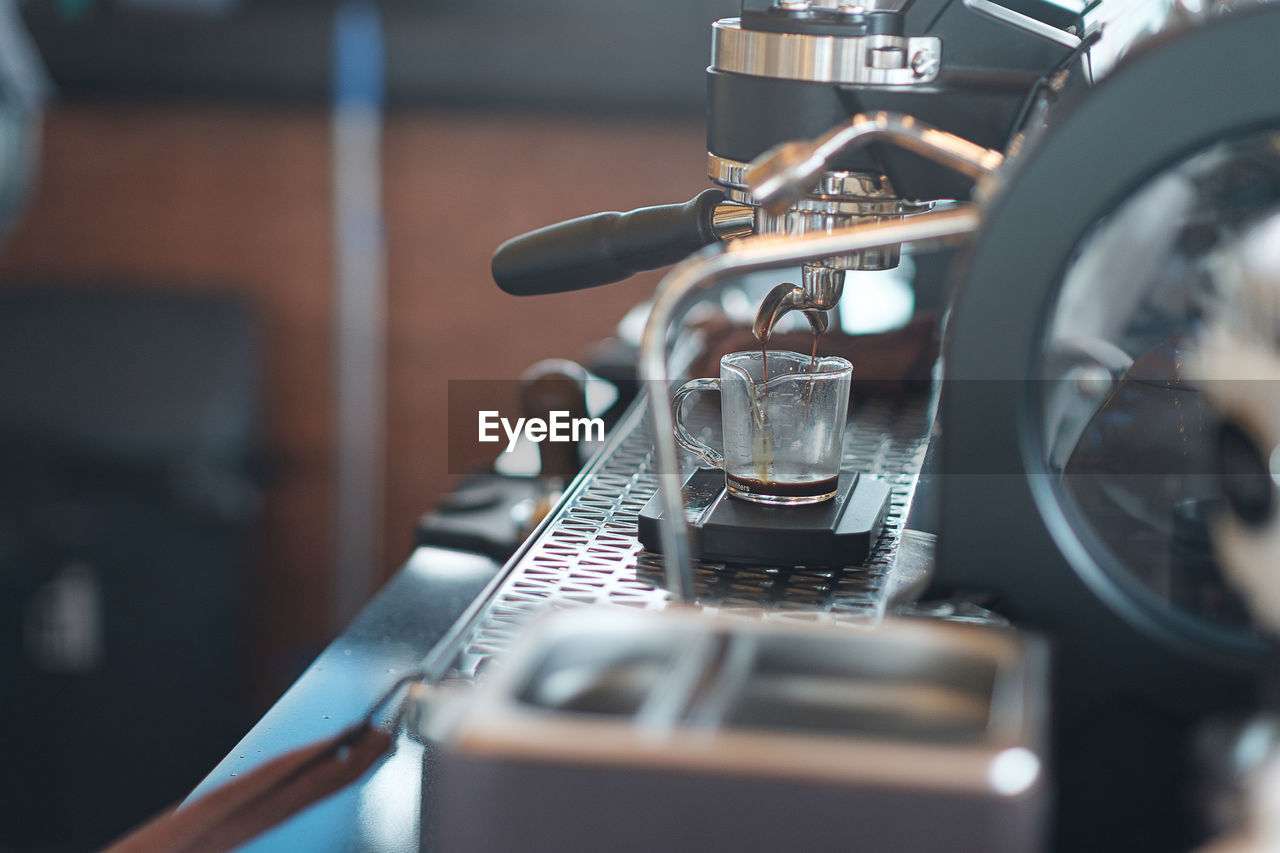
{"points": [[1023, 22], [788, 172], [391, 798], [838, 199], [785, 298], [873, 60], [864, 187], [731, 220]]}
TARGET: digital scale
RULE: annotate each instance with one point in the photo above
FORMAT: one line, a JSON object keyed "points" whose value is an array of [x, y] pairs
{"points": [[838, 532]]}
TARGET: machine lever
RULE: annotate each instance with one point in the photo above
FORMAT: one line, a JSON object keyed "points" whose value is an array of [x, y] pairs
{"points": [[606, 247]]}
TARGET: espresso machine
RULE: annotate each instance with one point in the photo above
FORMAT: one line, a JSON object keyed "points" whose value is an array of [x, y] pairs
{"points": [[1079, 172]]}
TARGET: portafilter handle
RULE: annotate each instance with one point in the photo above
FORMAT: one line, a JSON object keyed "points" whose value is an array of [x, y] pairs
{"points": [[606, 247]]}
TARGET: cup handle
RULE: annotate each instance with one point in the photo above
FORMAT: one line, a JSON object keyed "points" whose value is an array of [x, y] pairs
{"points": [[683, 437]]}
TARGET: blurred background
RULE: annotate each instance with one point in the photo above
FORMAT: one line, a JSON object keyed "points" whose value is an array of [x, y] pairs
{"points": [[254, 250]]}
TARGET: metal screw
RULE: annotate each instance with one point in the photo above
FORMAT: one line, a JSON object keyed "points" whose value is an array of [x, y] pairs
{"points": [[925, 63]]}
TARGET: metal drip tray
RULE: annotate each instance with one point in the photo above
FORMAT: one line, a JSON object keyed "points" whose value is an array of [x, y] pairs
{"points": [[588, 552], [869, 686], [622, 724], [906, 685], [595, 679]]}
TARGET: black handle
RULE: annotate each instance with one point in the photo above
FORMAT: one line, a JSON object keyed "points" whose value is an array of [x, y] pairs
{"points": [[604, 247]]}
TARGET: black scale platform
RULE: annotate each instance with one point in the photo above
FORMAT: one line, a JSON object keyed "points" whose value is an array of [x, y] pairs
{"points": [[838, 532]]}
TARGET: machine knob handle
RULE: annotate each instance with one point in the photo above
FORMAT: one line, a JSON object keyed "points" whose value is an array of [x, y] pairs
{"points": [[605, 247]]}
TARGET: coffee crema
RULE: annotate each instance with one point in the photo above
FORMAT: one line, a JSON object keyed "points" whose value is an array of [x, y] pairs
{"points": [[807, 489]]}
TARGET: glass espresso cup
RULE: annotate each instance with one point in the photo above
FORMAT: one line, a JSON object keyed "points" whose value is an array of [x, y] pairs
{"points": [[783, 425]]}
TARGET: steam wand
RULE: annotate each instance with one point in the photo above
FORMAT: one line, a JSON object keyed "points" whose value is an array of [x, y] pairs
{"points": [[680, 289]]}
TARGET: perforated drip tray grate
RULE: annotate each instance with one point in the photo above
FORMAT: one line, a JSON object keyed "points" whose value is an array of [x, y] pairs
{"points": [[588, 552]]}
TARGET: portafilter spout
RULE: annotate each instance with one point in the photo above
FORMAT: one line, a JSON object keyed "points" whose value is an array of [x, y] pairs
{"points": [[695, 275], [815, 296]]}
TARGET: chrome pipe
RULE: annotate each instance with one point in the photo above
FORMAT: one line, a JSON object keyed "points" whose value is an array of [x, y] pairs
{"points": [[786, 173]]}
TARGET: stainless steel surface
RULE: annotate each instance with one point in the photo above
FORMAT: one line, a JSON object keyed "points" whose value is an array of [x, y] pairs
{"points": [[785, 735], [702, 271], [589, 555], [838, 200], [802, 219], [819, 292], [846, 60], [822, 286], [917, 553], [1023, 22], [782, 300], [835, 185], [887, 52], [1128, 24], [731, 220], [787, 173], [921, 704], [405, 621]]}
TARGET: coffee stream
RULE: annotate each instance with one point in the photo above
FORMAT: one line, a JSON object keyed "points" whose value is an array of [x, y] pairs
{"points": [[762, 446], [813, 360], [762, 452]]}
